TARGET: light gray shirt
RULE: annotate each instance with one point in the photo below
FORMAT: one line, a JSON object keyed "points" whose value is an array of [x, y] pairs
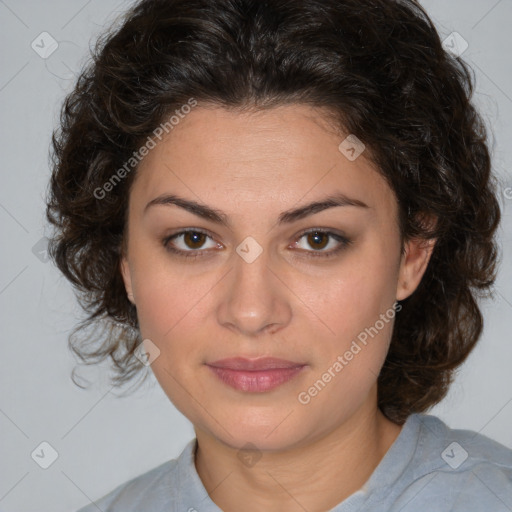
{"points": [[429, 468]]}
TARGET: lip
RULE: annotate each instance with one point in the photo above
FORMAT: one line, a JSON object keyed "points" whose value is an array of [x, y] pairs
{"points": [[255, 375], [261, 363]]}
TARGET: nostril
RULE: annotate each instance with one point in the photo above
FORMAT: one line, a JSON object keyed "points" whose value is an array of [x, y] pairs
{"points": [[273, 328]]}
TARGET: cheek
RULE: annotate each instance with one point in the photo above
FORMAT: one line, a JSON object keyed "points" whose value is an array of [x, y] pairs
{"points": [[352, 298], [356, 317], [168, 309], [172, 307], [358, 310], [164, 302], [160, 294]]}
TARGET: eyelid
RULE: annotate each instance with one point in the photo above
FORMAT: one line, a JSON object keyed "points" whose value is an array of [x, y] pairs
{"points": [[205, 232], [342, 240]]}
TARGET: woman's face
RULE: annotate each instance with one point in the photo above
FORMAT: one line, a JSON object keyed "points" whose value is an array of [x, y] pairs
{"points": [[252, 282]]}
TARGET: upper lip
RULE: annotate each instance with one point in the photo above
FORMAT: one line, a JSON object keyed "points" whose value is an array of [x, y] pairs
{"points": [[262, 363]]}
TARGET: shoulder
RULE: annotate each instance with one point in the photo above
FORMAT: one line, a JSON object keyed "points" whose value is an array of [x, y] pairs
{"points": [[461, 467], [461, 450], [148, 491]]}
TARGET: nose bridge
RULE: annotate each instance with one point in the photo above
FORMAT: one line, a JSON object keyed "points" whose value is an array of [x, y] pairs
{"points": [[254, 302]]}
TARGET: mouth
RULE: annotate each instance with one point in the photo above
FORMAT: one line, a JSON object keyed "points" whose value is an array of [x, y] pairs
{"points": [[255, 375]]}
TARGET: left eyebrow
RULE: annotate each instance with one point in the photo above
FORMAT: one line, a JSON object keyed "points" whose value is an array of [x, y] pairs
{"points": [[332, 201], [286, 217]]}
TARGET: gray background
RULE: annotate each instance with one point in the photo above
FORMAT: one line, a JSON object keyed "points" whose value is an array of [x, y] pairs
{"points": [[101, 439]]}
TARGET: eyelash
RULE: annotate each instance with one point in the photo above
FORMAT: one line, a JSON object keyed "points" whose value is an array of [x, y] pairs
{"points": [[198, 253]]}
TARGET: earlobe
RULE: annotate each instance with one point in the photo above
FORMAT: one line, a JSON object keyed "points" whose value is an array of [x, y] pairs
{"points": [[413, 265], [126, 274]]}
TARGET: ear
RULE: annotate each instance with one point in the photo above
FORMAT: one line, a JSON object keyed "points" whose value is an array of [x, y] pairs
{"points": [[413, 265], [124, 267]]}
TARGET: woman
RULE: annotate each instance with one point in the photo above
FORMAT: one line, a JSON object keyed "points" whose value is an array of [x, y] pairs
{"points": [[286, 210]]}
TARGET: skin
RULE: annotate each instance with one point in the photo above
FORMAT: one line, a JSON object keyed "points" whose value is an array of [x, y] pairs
{"points": [[286, 303]]}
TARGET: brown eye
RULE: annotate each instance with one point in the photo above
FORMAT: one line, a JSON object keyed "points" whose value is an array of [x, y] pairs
{"points": [[194, 239], [317, 239], [189, 243]]}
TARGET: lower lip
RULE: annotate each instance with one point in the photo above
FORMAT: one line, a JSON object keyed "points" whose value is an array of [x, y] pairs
{"points": [[255, 381]]}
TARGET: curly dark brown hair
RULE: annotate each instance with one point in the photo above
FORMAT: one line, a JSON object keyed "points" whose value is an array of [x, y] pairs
{"points": [[378, 66]]}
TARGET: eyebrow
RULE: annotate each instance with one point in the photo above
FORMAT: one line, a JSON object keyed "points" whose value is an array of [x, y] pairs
{"points": [[286, 217]]}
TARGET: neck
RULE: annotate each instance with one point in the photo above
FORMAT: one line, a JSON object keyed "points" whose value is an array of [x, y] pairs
{"points": [[315, 476]]}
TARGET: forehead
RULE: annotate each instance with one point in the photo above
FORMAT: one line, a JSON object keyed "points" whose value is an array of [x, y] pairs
{"points": [[284, 155]]}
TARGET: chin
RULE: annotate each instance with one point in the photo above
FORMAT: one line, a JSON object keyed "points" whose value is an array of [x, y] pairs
{"points": [[279, 429], [257, 439]]}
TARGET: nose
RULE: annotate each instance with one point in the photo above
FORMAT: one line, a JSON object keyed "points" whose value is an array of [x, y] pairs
{"points": [[254, 301]]}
